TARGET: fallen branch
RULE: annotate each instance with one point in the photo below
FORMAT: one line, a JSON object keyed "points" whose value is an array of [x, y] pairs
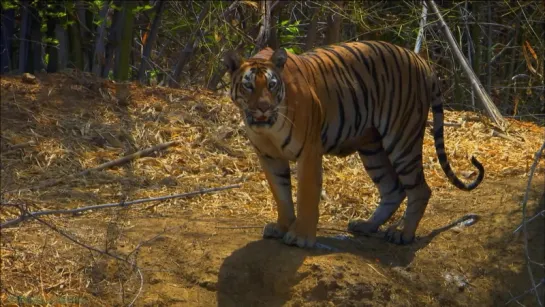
{"points": [[446, 124], [26, 216], [485, 99], [117, 162], [22, 145], [505, 136]]}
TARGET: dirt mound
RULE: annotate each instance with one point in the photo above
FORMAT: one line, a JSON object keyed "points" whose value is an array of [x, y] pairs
{"points": [[207, 250]]}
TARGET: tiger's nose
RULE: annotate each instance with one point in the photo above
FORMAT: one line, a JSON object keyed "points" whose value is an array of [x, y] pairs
{"points": [[262, 106]]}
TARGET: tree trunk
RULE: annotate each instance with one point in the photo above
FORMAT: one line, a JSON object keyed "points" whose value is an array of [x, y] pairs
{"points": [[150, 41], [334, 25], [490, 107], [88, 46], [36, 47], [99, 56], [476, 38], [113, 40], [264, 27], [489, 48], [273, 41], [186, 53], [74, 39], [7, 34], [312, 29], [24, 37], [53, 63], [62, 37], [123, 54]]}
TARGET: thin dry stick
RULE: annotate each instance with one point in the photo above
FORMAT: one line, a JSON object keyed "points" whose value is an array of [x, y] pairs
{"points": [[77, 242], [541, 213], [117, 162], [505, 136], [22, 145], [524, 228], [28, 215], [446, 124]]}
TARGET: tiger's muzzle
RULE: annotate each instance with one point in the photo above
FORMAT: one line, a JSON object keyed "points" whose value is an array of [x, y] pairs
{"points": [[261, 118]]}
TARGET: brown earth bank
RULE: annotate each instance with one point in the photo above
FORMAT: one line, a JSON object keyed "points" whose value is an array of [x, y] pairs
{"points": [[207, 250]]}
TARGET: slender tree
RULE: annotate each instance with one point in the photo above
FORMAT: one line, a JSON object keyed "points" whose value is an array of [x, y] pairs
{"points": [[99, 56], [122, 57], [150, 41], [24, 37], [74, 37], [6, 39], [187, 51], [334, 24]]}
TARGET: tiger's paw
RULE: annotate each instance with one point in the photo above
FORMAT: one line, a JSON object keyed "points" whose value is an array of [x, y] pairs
{"points": [[362, 227], [274, 231], [301, 235], [397, 236]]}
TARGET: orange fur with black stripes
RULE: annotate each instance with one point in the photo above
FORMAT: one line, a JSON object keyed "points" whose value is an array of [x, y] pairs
{"points": [[366, 97]]}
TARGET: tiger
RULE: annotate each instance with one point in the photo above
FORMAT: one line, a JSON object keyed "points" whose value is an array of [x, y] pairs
{"points": [[368, 97]]}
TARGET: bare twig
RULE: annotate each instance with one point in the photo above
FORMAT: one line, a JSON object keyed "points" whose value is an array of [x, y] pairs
{"points": [[91, 248], [139, 289], [505, 136], [117, 162], [239, 227], [525, 292], [22, 145], [524, 224], [446, 124], [541, 213], [76, 241], [28, 215]]}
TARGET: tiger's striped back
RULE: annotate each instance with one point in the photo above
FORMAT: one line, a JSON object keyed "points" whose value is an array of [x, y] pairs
{"points": [[376, 84]]}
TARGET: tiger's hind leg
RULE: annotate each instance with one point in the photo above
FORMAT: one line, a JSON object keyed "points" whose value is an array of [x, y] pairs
{"points": [[411, 174], [378, 166]]}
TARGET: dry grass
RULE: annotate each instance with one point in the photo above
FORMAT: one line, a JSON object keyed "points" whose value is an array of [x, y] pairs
{"points": [[73, 123]]}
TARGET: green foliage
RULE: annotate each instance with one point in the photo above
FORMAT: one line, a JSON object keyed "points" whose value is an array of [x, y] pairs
{"points": [[289, 34], [142, 8], [8, 5], [393, 21]]}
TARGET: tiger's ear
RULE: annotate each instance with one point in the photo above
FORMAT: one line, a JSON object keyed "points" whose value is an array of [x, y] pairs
{"points": [[279, 58], [232, 61]]}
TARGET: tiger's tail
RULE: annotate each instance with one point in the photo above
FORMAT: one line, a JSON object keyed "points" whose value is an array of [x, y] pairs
{"points": [[438, 137]]}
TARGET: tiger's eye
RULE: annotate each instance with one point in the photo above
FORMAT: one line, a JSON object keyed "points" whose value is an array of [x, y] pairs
{"points": [[247, 86]]}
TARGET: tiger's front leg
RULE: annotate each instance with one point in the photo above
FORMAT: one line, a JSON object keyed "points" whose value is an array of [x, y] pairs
{"points": [[309, 186], [277, 172]]}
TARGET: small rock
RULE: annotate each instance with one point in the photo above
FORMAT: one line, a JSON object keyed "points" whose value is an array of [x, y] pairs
{"points": [[29, 78]]}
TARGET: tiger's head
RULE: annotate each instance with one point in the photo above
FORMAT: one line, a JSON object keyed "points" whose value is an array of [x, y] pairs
{"points": [[257, 87]]}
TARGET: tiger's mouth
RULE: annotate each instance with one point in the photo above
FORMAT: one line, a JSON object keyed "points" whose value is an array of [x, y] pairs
{"points": [[261, 120]]}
